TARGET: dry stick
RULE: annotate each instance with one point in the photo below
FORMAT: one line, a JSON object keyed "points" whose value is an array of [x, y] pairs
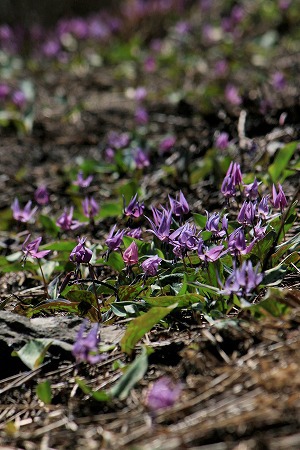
{"points": [[273, 246]]}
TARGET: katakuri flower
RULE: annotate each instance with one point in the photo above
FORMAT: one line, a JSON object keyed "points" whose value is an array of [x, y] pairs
{"points": [[113, 241], [130, 255], [90, 207], [179, 206], [134, 208], [150, 265], [32, 248], [83, 182], [23, 215], [163, 394], [278, 199], [86, 348], [80, 253], [66, 221], [41, 195], [243, 280]]}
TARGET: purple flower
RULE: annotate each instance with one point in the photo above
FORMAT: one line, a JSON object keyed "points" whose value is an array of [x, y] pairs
{"points": [[278, 81], [234, 171], [251, 190], [210, 254], [118, 140], [242, 281], [31, 248], [109, 155], [263, 207], [232, 95], [80, 253], [141, 115], [278, 199], [83, 182], [161, 227], [90, 207], [179, 206], [23, 215], [4, 91], [85, 349], [167, 144], [212, 224], [246, 215], [150, 265], [163, 394], [18, 98], [141, 158], [237, 242], [258, 231], [184, 237], [41, 195], [222, 141], [135, 233], [134, 208], [228, 188], [130, 255], [140, 94], [113, 242], [150, 64], [66, 222]]}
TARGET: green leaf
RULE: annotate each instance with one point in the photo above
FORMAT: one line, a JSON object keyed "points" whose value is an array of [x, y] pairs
{"points": [[281, 160], [200, 220], [139, 326], [100, 396], [125, 309], [110, 209], [49, 225], [33, 353], [134, 373], [128, 293], [43, 391], [81, 296], [183, 301], [59, 246]]}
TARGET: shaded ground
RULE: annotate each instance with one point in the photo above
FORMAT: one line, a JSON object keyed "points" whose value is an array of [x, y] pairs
{"points": [[242, 379]]}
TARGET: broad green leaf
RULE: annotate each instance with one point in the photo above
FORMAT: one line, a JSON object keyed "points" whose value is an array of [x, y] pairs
{"points": [[183, 301], [81, 296], [59, 246], [124, 309], [81, 309], [115, 261], [33, 353], [139, 326], [131, 292], [281, 160], [43, 391], [110, 209], [200, 220], [262, 247], [134, 373]]}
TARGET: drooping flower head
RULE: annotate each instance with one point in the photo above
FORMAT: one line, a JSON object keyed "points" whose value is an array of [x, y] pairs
{"points": [[163, 394], [32, 248], [90, 207], [134, 208], [130, 255], [113, 241], [83, 182], [150, 265], [86, 348], [23, 215], [41, 195], [161, 225], [179, 206], [80, 253], [279, 199], [66, 221], [243, 280]]}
